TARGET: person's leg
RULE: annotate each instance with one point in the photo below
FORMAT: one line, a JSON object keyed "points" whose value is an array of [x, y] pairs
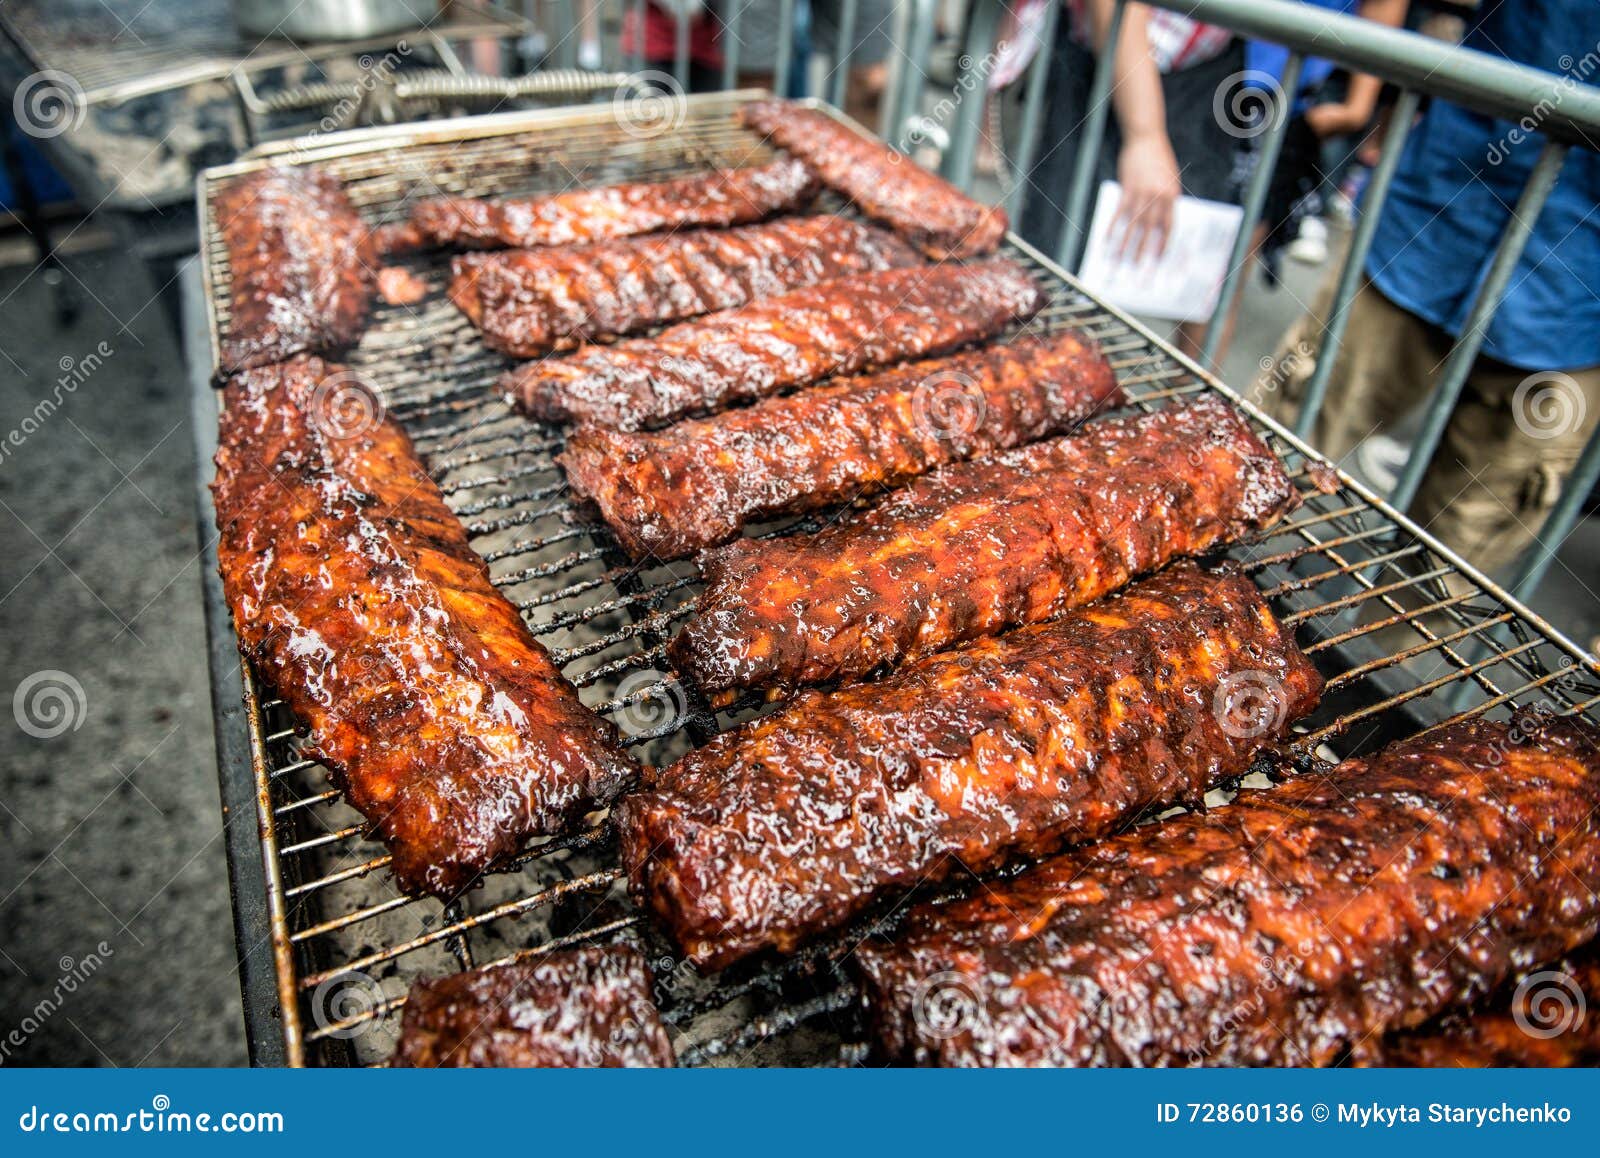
{"points": [[758, 43], [871, 41], [1064, 108], [1512, 440], [863, 101], [1385, 367], [1205, 149]]}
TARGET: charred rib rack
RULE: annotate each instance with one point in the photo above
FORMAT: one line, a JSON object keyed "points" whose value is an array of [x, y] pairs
{"points": [[696, 484], [791, 824], [795, 339], [303, 266], [976, 547], [726, 197], [530, 301], [1293, 927], [574, 1008], [927, 209], [355, 592]]}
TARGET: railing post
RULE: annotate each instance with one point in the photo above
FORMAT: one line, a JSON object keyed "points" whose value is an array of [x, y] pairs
{"points": [[636, 57], [1255, 200], [680, 48], [1405, 111], [1032, 108], [785, 49], [1070, 246], [1558, 525], [1465, 351], [971, 92], [730, 44], [913, 73], [843, 51], [567, 46]]}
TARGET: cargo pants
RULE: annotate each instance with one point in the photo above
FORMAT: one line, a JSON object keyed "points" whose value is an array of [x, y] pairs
{"points": [[1513, 438]]}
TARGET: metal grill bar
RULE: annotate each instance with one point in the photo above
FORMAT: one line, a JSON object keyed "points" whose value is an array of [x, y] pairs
{"points": [[607, 619]]}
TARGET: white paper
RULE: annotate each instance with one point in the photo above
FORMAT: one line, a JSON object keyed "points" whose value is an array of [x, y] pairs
{"points": [[1185, 281]]}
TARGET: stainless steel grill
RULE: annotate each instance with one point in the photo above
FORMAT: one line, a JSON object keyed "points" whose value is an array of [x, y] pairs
{"points": [[1407, 633], [122, 49]]}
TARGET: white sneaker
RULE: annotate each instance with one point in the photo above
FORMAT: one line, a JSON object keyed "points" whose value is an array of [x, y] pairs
{"points": [[1340, 207], [1381, 458], [1311, 247]]}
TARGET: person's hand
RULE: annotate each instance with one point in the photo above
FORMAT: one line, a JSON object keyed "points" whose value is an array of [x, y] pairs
{"points": [[1147, 170], [1336, 120]]}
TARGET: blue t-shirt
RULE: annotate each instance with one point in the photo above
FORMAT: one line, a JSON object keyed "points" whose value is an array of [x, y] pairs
{"points": [[1264, 61], [1455, 188]]}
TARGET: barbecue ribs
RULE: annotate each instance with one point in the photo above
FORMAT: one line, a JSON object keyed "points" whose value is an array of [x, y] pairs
{"points": [[887, 186], [1062, 732], [976, 547], [303, 266], [698, 483], [1295, 926], [530, 301], [795, 339], [724, 197], [573, 1008], [354, 590], [1547, 1017]]}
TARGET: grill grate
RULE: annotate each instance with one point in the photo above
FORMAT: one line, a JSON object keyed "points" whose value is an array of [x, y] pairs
{"points": [[1407, 638]]}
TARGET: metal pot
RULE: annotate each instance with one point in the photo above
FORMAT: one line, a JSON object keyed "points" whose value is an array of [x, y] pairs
{"points": [[331, 19]]}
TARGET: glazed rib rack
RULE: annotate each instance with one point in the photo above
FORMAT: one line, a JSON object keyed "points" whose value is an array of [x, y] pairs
{"points": [[1406, 637]]}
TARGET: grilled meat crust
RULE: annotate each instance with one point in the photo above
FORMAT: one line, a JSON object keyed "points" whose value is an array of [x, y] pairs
{"points": [[720, 198], [976, 547], [303, 266], [1545, 1018], [355, 592], [697, 484], [574, 1008], [926, 209], [1295, 926], [530, 301], [798, 338], [791, 824]]}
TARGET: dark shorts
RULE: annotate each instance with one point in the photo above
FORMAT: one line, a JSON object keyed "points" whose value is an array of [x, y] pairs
{"points": [[1205, 148]]}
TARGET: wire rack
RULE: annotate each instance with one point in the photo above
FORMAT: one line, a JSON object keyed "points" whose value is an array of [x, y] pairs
{"points": [[1407, 634]]}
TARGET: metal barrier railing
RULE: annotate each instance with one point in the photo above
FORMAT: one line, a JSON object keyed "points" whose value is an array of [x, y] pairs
{"points": [[1418, 66]]}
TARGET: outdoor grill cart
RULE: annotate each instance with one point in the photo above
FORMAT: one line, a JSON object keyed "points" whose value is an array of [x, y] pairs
{"points": [[1408, 634]]}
